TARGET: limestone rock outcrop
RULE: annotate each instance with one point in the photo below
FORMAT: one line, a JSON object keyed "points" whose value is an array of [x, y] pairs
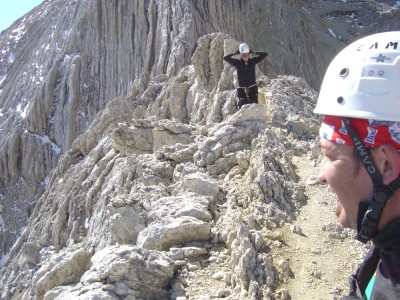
{"points": [[63, 62], [124, 163], [215, 187]]}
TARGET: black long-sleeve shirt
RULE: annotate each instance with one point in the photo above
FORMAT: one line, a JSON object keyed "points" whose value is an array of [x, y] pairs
{"points": [[246, 71], [383, 259]]}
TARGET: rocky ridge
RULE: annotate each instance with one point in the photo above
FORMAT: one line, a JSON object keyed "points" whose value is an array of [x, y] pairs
{"points": [[125, 160], [197, 189], [62, 63]]}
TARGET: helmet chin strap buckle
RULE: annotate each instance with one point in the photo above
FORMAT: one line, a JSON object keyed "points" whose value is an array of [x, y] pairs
{"points": [[370, 213], [372, 216]]}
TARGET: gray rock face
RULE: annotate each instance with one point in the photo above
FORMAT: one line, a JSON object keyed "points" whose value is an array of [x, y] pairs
{"points": [[120, 140], [130, 272], [156, 199]]}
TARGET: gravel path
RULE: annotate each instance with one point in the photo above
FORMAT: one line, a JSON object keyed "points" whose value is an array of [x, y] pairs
{"points": [[321, 254]]}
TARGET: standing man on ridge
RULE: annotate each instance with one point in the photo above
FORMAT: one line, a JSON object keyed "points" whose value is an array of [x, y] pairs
{"points": [[360, 141], [247, 91]]}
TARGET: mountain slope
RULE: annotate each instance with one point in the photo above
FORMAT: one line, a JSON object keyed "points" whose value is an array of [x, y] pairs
{"points": [[109, 106]]}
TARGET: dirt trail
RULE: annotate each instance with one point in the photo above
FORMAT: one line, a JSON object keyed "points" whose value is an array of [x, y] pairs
{"points": [[321, 254]]}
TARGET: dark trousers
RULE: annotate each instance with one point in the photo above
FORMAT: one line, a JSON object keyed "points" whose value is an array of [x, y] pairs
{"points": [[247, 95]]}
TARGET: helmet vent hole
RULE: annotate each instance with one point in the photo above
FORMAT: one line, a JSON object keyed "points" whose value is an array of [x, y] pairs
{"points": [[340, 100], [344, 72]]}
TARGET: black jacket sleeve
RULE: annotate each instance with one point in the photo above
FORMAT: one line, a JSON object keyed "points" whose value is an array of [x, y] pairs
{"points": [[228, 58], [260, 56]]}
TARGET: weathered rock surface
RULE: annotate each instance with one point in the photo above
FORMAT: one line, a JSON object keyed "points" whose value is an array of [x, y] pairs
{"points": [[128, 271], [127, 196], [120, 141], [62, 63]]}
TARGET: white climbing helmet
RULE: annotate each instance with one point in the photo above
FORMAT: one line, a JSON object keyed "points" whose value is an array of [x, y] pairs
{"points": [[363, 80], [244, 48]]}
